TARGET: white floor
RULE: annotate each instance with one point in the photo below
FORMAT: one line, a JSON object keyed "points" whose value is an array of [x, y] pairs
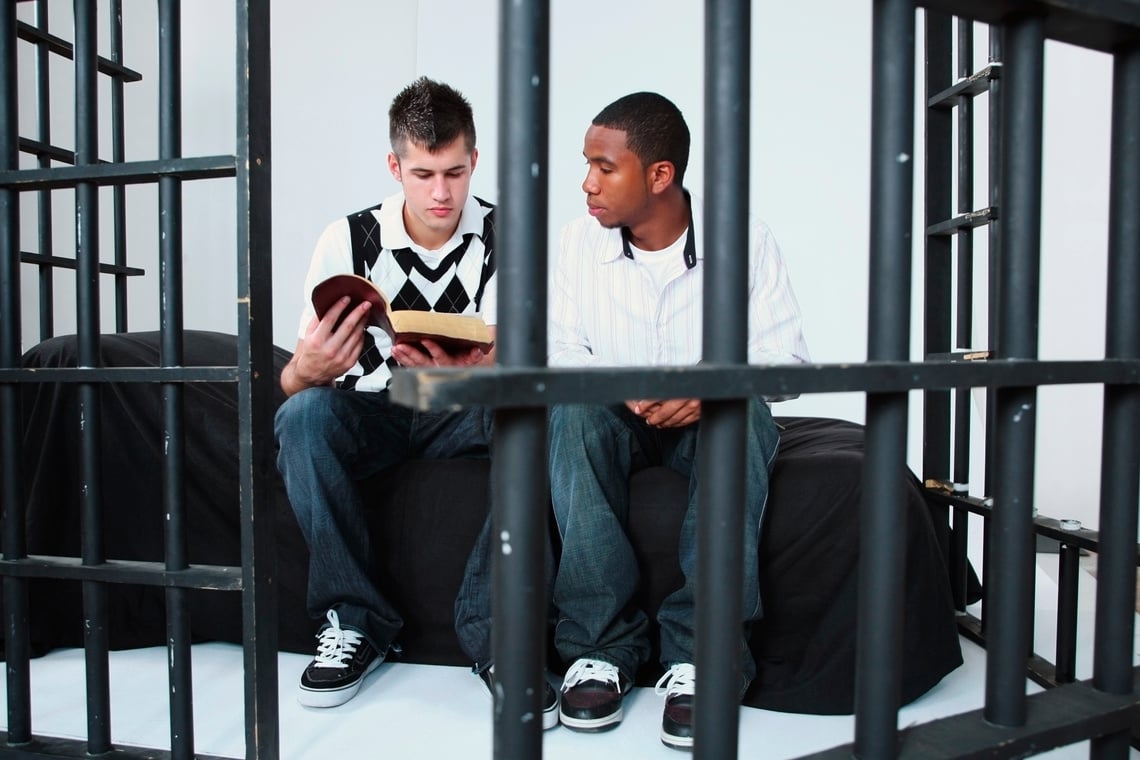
{"points": [[422, 711]]}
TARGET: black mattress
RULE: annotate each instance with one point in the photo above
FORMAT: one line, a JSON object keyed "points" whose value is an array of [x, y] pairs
{"points": [[804, 646]]}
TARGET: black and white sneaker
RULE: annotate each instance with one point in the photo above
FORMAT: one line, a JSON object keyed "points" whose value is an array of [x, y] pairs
{"points": [[344, 658], [592, 694], [678, 686], [549, 697]]}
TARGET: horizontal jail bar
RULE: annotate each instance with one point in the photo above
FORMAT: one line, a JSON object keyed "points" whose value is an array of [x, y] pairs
{"points": [[120, 375], [1056, 717], [43, 149], [61, 263], [208, 577], [975, 84], [523, 387], [128, 173], [1049, 527], [1096, 24], [59, 747], [63, 48], [963, 222]]}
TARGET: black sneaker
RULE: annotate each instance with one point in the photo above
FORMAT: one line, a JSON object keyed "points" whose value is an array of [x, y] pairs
{"points": [[677, 686], [344, 658], [592, 694], [549, 697]]}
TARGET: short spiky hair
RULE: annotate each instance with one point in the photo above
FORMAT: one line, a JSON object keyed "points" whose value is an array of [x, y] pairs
{"points": [[431, 115], [654, 129]]}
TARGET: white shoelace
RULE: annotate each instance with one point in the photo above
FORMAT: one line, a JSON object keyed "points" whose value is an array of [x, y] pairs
{"points": [[679, 680], [590, 670], [337, 645]]}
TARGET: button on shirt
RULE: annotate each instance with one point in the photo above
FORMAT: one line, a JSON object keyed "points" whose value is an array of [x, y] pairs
{"points": [[607, 311]]}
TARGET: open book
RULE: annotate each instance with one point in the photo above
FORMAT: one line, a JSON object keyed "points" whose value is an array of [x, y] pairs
{"points": [[454, 332]]}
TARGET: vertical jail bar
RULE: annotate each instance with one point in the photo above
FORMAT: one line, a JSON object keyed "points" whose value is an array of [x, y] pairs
{"points": [[937, 281], [1068, 580], [721, 455], [1012, 578], [118, 155], [518, 487], [95, 634], [879, 636], [16, 645], [993, 241], [964, 323], [171, 323], [44, 220], [1120, 464], [256, 466]]}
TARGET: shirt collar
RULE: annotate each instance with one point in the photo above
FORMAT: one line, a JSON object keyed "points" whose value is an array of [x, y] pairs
{"points": [[690, 254], [395, 235]]}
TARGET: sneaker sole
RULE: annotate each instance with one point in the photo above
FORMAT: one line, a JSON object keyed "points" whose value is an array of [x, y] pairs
{"points": [[592, 725], [550, 718], [676, 742], [334, 697]]}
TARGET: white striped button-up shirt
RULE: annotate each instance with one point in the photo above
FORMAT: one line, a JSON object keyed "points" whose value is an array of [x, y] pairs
{"points": [[605, 310]]}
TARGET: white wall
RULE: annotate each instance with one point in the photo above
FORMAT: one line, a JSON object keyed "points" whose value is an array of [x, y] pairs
{"points": [[337, 65]]}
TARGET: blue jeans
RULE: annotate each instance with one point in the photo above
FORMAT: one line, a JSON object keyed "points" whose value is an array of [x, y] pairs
{"points": [[593, 451], [328, 440]]}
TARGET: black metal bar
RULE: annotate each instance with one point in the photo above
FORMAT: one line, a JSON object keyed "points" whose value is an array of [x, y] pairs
{"points": [[963, 222], [58, 262], [937, 284], [1120, 462], [1060, 716], [1068, 580], [61, 47], [503, 386], [17, 649], [95, 634], [58, 747], [212, 577], [721, 457], [1102, 25], [178, 640], [994, 244], [44, 214], [969, 85], [1012, 582], [127, 173], [256, 467], [964, 304], [517, 484], [878, 669], [120, 375], [118, 155]]}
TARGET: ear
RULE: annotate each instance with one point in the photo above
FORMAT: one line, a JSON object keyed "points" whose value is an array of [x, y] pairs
{"points": [[659, 176], [474, 158], [394, 166]]}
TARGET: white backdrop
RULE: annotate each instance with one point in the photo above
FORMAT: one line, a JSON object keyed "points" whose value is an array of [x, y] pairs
{"points": [[337, 65]]}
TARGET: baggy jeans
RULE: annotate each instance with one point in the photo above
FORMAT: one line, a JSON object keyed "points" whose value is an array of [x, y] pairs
{"points": [[329, 439], [593, 451]]}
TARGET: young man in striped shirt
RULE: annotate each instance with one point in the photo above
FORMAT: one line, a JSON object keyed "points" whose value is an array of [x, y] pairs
{"points": [[626, 290]]}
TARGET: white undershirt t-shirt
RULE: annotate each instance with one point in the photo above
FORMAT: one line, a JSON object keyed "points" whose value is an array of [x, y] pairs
{"points": [[662, 265]]}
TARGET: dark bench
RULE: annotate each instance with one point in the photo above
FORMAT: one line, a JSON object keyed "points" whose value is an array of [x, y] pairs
{"points": [[426, 517]]}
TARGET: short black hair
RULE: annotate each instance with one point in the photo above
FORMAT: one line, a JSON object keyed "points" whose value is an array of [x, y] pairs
{"points": [[654, 129], [430, 114]]}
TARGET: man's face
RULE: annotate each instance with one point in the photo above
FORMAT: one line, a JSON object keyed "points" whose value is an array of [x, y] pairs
{"points": [[616, 184], [435, 188]]}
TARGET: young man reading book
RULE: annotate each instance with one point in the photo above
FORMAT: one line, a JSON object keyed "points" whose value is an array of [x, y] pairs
{"points": [[429, 247]]}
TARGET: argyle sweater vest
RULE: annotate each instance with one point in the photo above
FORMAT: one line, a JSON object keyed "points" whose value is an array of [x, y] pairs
{"points": [[422, 287]]}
